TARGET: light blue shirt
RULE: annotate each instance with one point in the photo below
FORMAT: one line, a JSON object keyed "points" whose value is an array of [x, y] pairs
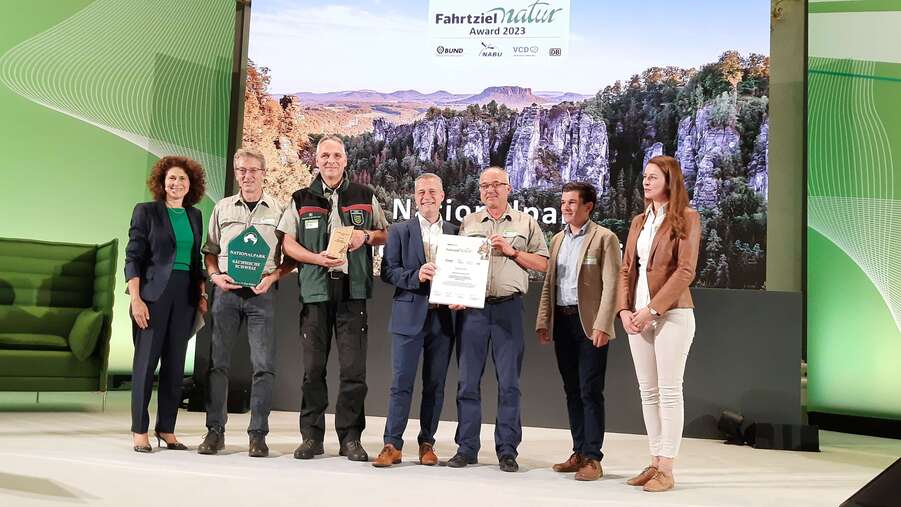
{"points": [[568, 265]]}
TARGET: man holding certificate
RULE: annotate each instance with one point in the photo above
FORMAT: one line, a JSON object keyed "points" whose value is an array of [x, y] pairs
{"points": [[330, 228], [417, 327], [243, 252], [517, 245]]}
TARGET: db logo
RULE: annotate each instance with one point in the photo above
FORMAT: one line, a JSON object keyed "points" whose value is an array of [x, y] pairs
{"points": [[555, 52], [440, 50]]}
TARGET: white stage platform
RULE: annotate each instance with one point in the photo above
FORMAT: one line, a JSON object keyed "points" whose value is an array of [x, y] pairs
{"points": [[65, 451]]}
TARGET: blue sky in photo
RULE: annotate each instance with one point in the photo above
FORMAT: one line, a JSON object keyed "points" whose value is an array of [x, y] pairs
{"points": [[385, 45]]}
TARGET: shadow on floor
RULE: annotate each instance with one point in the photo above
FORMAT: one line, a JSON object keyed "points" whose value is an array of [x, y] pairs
{"points": [[36, 486]]}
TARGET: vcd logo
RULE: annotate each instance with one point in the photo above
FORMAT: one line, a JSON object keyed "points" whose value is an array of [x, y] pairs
{"points": [[525, 50], [441, 50]]}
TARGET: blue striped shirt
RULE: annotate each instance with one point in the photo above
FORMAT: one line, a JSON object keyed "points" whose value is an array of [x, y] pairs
{"points": [[568, 265]]}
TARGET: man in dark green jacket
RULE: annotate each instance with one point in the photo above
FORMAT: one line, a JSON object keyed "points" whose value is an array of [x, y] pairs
{"points": [[333, 294]]}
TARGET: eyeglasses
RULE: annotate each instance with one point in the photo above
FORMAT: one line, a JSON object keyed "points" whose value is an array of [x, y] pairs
{"points": [[243, 170], [492, 186]]}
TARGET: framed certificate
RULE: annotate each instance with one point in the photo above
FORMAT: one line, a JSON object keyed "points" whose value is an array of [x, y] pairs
{"points": [[462, 271]]}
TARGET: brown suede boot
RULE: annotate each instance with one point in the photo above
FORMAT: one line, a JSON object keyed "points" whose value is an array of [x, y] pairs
{"points": [[389, 456], [427, 454], [647, 474], [662, 481], [590, 471], [573, 464]]}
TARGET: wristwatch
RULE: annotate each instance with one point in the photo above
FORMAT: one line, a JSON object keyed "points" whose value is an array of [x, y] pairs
{"points": [[366, 237], [653, 312], [515, 254]]}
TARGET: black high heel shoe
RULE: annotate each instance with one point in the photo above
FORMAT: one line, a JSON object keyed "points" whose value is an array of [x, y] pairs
{"points": [[175, 446], [143, 448]]}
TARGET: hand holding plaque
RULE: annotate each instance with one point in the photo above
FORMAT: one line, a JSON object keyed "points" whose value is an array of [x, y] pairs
{"points": [[338, 242], [247, 255]]}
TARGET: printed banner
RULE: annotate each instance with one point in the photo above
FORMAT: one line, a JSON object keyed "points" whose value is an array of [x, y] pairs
{"points": [[480, 29], [631, 82]]}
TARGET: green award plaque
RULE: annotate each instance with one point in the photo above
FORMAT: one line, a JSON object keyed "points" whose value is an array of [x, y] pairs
{"points": [[247, 255]]}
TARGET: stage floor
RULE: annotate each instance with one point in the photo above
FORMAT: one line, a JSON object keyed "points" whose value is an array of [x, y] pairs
{"points": [[64, 451]]}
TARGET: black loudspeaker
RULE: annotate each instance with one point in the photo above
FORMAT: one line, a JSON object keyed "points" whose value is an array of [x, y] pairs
{"points": [[883, 491], [788, 437]]}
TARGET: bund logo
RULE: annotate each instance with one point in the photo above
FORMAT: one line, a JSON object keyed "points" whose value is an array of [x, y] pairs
{"points": [[490, 51], [445, 51]]}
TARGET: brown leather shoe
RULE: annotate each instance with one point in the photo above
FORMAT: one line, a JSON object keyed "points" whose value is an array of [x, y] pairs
{"points": [[591, 471], [647, 474], [389, 456], [427, 454], [573, 464], [662, 481]]}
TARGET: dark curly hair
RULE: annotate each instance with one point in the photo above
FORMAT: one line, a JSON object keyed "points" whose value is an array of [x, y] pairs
{"points": [[156, 181]]}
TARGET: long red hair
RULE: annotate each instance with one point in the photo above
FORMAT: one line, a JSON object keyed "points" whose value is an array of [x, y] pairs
{"points": [[675, 189]]}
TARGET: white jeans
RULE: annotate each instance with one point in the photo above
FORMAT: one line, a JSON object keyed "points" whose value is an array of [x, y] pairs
{"points": [[659, 354]]}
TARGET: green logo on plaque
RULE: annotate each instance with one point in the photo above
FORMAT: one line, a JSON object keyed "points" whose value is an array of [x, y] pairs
{"points": [[247, 255]]}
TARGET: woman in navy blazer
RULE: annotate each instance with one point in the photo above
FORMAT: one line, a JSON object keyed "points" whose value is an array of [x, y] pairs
{"points": [[166, 282]]}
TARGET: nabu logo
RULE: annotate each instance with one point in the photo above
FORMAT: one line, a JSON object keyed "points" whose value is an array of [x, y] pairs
{"points": [[489, 50]]}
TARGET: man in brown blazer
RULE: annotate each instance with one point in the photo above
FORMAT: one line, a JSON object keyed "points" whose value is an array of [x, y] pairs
{"points": [[576, 312]]}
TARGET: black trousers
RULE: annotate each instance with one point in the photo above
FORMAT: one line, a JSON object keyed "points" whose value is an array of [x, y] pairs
{"points": [[346, 319], [583, 368], [164, 342]]}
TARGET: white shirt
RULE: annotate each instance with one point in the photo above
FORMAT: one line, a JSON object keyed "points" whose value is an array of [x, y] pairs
{"points": [[643, 247], [431, 236]]}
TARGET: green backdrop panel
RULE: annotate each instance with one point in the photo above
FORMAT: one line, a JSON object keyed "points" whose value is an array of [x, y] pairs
{"points": [[89, 111], [853, 368], [854, 209]]}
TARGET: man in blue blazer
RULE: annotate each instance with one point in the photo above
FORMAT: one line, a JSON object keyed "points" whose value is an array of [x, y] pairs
{"points": [[416, 326]]}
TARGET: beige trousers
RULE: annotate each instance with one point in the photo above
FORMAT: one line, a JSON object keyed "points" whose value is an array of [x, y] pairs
{"points": [[659, 354]]}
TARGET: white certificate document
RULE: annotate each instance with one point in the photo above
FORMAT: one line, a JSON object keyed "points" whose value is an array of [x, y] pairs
{"points": [[462, 271]]}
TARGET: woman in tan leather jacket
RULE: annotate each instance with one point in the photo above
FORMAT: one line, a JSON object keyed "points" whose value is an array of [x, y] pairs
{"points": [[655, 307]]}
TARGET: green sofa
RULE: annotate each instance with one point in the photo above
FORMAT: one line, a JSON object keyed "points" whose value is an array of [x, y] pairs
{"points": [[56, 309]]}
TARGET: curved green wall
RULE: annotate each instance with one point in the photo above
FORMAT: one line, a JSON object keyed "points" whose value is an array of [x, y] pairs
{"points": [[92, 94], [854, 208]]}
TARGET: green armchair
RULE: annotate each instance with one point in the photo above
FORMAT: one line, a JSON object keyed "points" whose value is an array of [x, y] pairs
{"points": [[56, 310]]}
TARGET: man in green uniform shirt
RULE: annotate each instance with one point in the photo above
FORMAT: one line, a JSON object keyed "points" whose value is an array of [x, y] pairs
{"points": [[333, 294]]}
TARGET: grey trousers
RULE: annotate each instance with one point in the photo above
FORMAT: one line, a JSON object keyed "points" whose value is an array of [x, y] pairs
{"points": [[229, 309]]}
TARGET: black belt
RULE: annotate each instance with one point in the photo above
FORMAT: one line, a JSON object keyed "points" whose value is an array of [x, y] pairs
{"points": [[568, 310], [500, 299], [336, 275]]}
